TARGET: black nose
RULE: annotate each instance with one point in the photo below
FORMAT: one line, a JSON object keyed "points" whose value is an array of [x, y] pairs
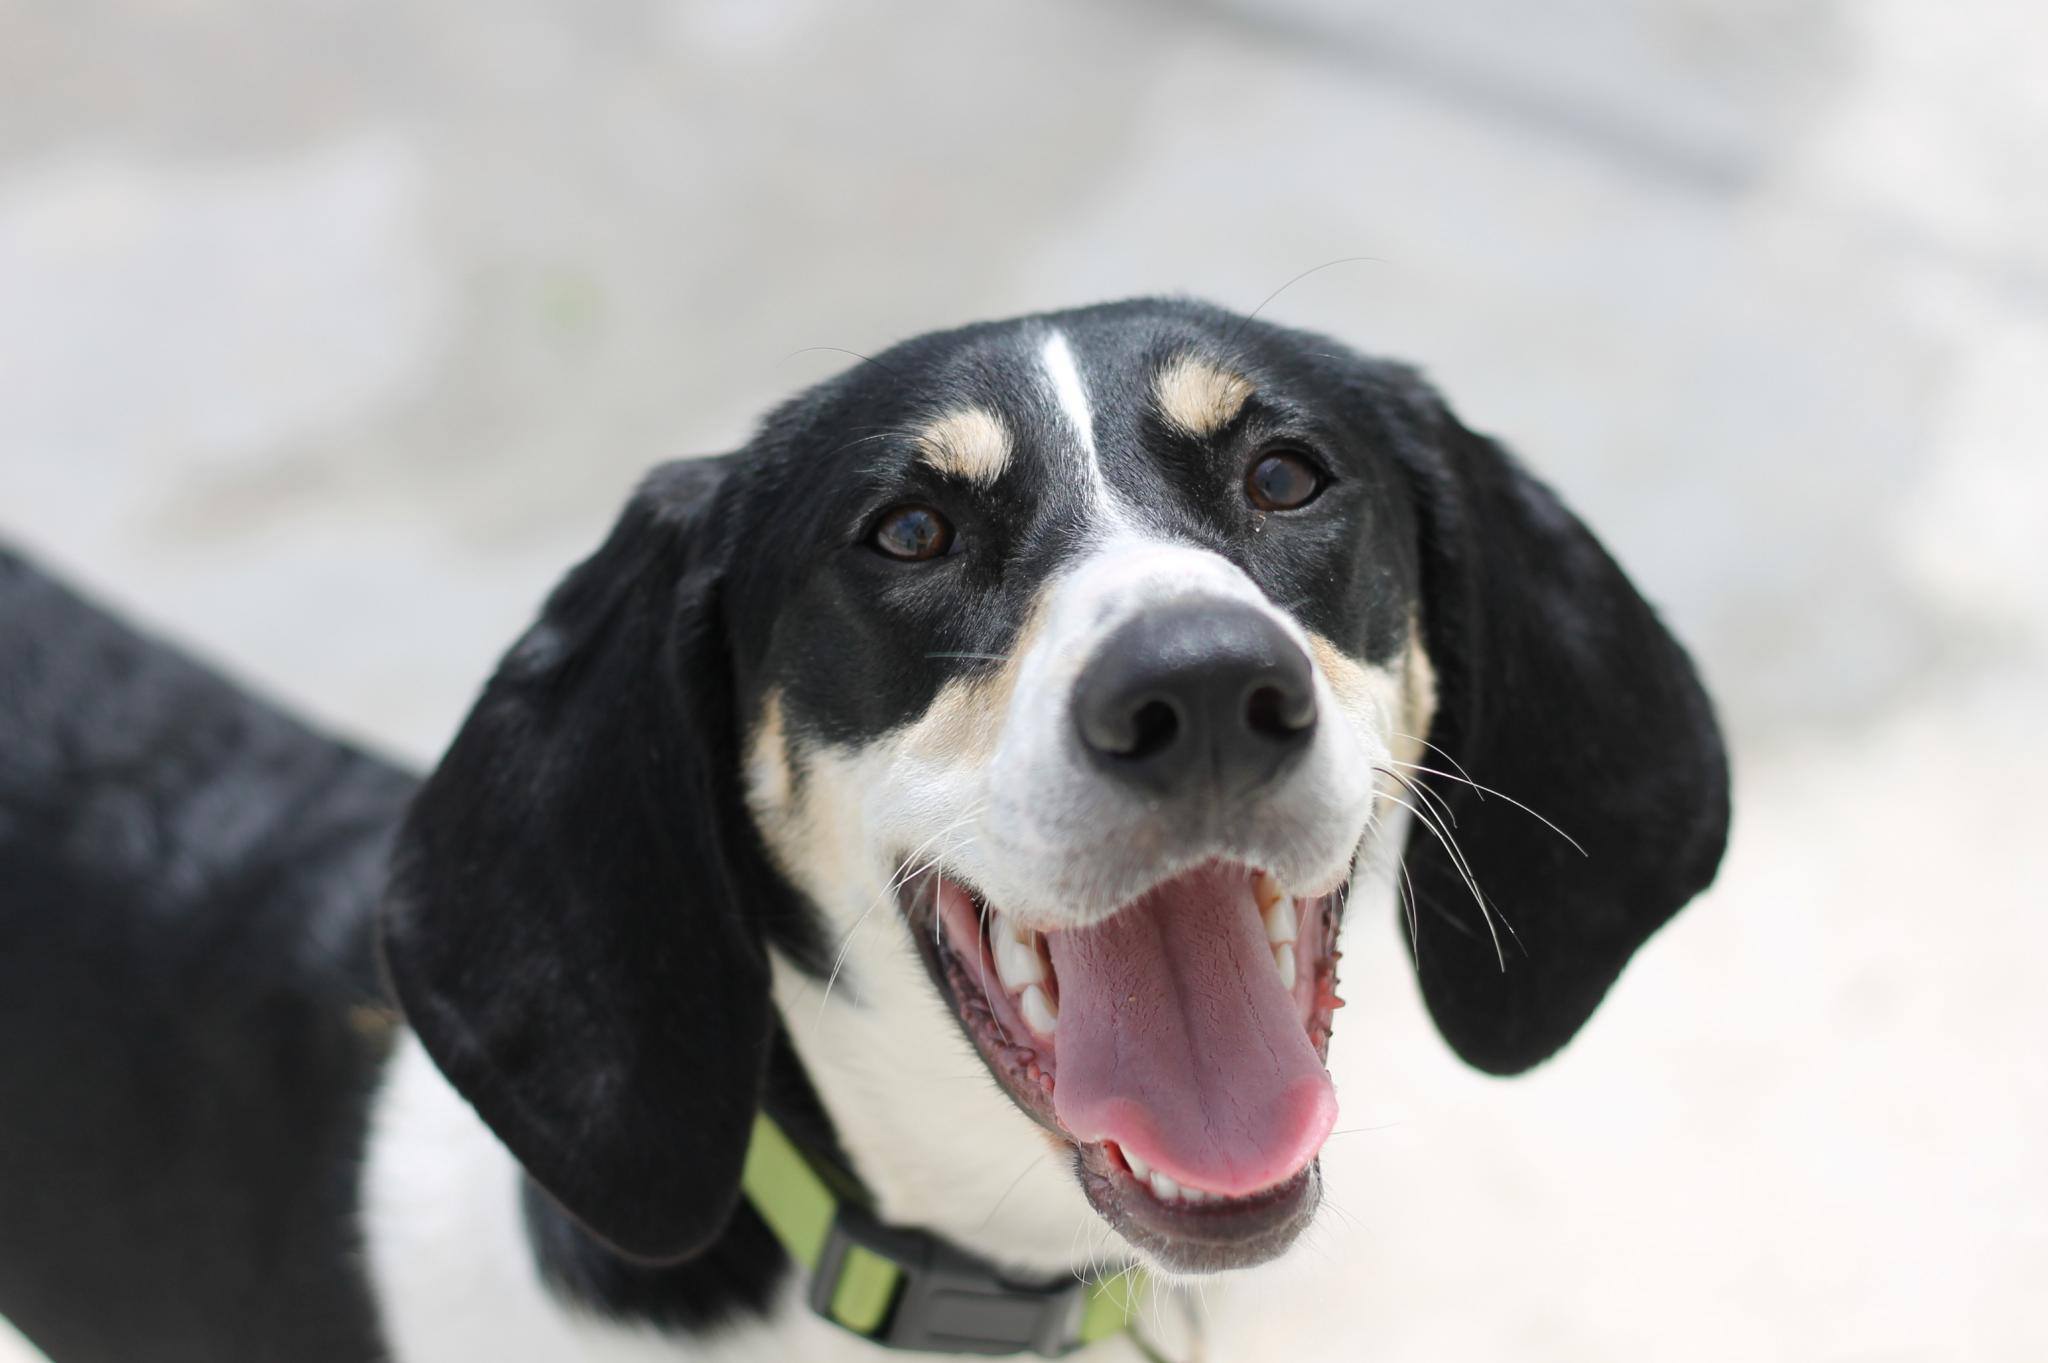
{"points": [[1197, 693]]}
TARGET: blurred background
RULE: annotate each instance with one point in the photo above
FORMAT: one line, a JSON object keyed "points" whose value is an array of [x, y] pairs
{"points": [[331, 333]]}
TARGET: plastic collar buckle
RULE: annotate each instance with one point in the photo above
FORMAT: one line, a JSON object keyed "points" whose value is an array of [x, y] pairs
{"points": [[939, 1301]]}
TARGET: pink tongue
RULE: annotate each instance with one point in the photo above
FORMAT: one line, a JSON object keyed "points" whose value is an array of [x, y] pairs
{"points": [[1177, 1042]]}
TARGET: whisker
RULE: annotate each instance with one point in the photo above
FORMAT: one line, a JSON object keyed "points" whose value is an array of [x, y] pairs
{"points": [[1129, 1278], [837, 350], [1408, 899], [1251, 316], [870, 439], [1446, 757], [1458, 860], [894, 883], [1485, 791], [975, 811], [1015, 1183], [1423, 793], [1462, 928], [1449, 844], [981, 959], [1376, 827], [839, 961]]}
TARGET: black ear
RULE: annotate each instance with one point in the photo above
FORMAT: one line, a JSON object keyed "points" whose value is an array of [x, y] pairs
{"points": [[1556, 685], [565, 925]]}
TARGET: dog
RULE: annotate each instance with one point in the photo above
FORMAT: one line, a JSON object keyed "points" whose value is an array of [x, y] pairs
{"points": [[970, 775]]}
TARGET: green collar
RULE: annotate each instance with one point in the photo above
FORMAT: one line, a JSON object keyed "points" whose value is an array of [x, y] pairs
{"points": [[908, 1289]]}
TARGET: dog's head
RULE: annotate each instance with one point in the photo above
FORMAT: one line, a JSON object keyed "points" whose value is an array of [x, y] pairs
{"points": [[1043, 689]]}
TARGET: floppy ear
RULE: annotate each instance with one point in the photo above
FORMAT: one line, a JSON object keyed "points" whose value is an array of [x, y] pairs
{"points": [[1556, 685], [568, 924]]}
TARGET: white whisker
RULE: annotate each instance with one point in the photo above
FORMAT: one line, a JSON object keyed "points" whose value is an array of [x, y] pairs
{"points": [[1464, 871], [1422, 789], [1015, 1183], [1484, 791], [1448, 758], [894, 883], [1464, 866], [981, 960]]}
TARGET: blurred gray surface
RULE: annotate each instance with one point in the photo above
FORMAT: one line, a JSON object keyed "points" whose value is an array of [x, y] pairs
{"points": [[330, 333]]}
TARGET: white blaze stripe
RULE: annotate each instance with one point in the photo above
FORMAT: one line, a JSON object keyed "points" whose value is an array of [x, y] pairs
{"points": [[1066, 384], [1058, 359]]}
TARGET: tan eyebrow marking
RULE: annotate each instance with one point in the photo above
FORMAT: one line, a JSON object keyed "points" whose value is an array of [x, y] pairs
{"points": [[1199, 396], [969, 442]]}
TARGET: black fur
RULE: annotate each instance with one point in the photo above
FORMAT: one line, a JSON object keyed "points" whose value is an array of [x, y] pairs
{"points": [[575, 922], [196, 1021], [1557, 684], [738, 1275], [193, 1021], [579, 908]]}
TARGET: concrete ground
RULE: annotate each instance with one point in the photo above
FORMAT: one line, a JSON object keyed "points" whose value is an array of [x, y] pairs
{"points": [[329, 334]]}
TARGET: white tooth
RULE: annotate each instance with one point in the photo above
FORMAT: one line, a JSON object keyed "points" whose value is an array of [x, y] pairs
{"points": [[1194, 1195], [1139, 1168], [1164, 1188], [1039, 1014], [1017, 961], [1283, 959], [1280, 922], [1266, 890]]}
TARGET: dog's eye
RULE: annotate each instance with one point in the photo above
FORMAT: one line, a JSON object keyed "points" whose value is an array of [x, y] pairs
{"points": [[912, 532], [1283, 480]]}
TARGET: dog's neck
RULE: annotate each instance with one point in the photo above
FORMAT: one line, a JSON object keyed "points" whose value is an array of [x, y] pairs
{"points": [[471, 1260], [924, 1124]]}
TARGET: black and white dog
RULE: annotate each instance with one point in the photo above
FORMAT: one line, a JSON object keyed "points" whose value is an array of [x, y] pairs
{"points": [[1048, 691]]}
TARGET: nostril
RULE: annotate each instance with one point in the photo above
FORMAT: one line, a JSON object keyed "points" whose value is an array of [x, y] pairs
{"points": [[1196, 698], [1271, 712], [1154, 726]]}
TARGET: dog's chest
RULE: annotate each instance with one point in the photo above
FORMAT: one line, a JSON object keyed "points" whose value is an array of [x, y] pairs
{"points": [[454, 1269]]}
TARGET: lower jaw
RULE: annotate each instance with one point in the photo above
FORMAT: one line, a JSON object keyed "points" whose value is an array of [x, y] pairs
{"points": [[1211, 1237], [1214, 1235]]}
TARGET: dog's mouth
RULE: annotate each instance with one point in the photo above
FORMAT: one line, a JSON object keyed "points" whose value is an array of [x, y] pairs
{"points": [[1177, 1045]]}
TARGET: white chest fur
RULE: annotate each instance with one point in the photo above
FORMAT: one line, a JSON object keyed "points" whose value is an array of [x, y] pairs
{"points": [[454, 1273], [455, 1277]]}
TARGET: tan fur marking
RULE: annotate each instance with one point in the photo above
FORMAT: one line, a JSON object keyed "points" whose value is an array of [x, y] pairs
{"points": [[1420, 710], [806, 802], [969, 443], [1394, 701], [966, 717], [1363, 691], [770, 774], [374, 1021], [783, 797], [1198, 396]]}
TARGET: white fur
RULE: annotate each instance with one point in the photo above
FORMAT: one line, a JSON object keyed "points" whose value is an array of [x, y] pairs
{"points": [[456, 1281], [1012, 810], [989, 787], [939, 1144], [1064, 374], [1061, 848], [455, 1277]]}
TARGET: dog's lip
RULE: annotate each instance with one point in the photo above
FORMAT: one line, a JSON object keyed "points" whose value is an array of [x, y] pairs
{"points": [[1206, 1238], [1219, 1231]]}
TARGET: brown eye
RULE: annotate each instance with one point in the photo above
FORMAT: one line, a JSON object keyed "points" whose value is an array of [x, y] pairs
{"points": [[912, 532], [1283, 480]]}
